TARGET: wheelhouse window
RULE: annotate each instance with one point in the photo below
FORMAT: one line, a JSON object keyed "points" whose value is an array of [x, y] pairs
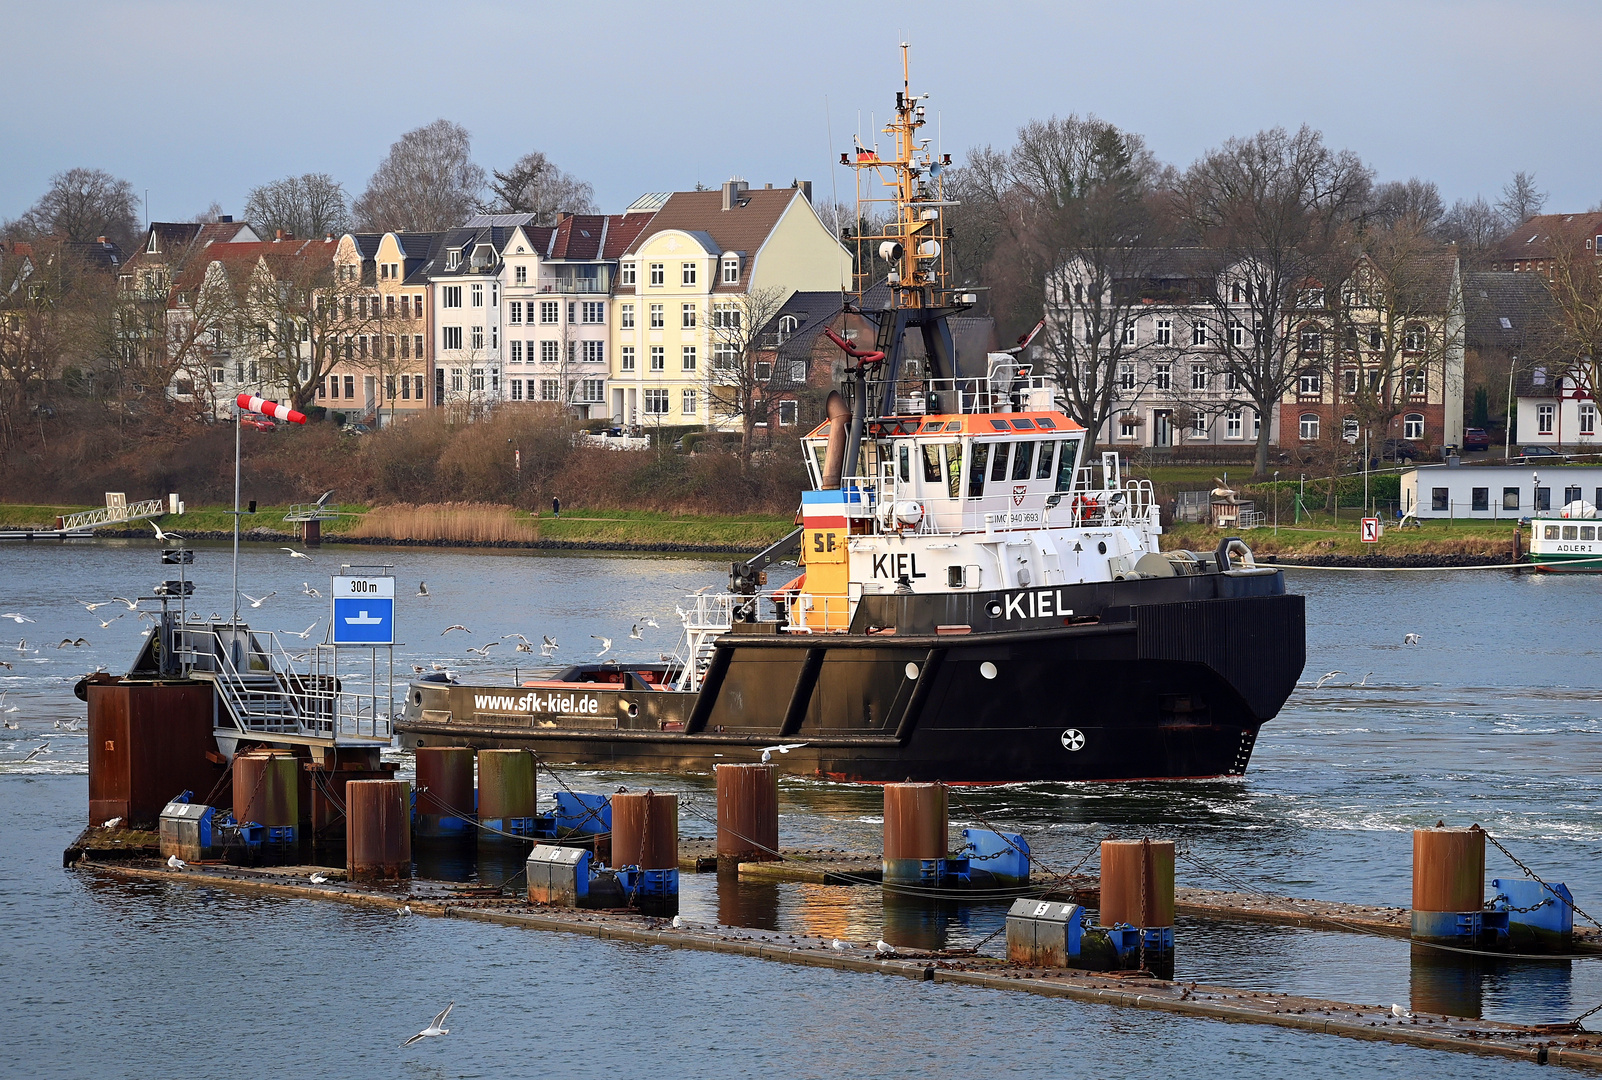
{"points": [[978, 458]]}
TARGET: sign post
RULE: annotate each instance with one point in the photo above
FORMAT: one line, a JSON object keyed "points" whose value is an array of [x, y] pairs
{"points": [[364, 610], [1371, 530]]}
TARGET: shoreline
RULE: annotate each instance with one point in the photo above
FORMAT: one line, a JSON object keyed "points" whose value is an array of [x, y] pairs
{"points": [[635, 546]]}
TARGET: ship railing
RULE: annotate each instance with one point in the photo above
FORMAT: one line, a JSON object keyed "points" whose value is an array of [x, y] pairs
{"points": [[819, 613], [998, 393], [706, 617]]}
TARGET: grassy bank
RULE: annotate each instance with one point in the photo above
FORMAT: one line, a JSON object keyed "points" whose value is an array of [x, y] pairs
{"points": [[465, 523], [1492, 540]]}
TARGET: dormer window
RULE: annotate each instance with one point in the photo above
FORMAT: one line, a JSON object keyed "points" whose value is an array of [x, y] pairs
{"points": [[787, 326], [453, 258], [731, 269], [152, 246]]}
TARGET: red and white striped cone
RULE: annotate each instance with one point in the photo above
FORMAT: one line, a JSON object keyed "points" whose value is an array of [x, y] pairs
{"points": [[254, 404]]}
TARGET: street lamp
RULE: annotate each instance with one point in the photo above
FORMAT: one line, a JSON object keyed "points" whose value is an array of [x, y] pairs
{"points": [[1276, 502], [1507, 429]]}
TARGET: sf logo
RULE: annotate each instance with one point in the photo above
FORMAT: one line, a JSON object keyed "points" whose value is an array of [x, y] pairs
{"points": [[1073, 739]]}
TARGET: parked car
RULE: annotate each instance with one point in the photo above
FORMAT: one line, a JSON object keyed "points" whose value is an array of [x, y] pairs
{"points": [[259, 423], [1398, 450], [1476, 438], [1536, 453], [356, 429]]}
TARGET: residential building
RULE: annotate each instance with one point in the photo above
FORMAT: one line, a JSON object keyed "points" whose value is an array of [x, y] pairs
{"points": [[702, 258], [146, 279], [1497, 491], [383, 368], [1530, 246], [464, 274], [1510, 324], [557, 285]]}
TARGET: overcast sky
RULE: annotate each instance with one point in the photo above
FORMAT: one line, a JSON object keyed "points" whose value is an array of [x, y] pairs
{"points": [[200, 101]]}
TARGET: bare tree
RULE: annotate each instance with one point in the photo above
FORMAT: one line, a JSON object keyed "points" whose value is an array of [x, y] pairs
{"points": [[45, 304], [1476, 227], [736, 382], [1416, 202], [427, 183], [534, 185], [1273, 208], [309, 206], [1521, 199], [84, 204], [1573, 346]]}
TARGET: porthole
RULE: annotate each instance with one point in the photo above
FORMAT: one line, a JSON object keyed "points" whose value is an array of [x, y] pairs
{"points": [[993, 609], [1101, 546], [912, 671], [417, 697], [987, 669]]}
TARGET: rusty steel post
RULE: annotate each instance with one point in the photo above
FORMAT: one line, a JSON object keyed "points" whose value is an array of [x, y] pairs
{"points": [[1130, 868], [378, 834], [267, 789], [506, 792], [444, 791], [645, 830], [748, 814], [916, 829], [1448, 879]]}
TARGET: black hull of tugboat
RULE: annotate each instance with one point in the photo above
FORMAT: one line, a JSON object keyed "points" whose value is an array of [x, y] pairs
{"points": [[1150, 679]]}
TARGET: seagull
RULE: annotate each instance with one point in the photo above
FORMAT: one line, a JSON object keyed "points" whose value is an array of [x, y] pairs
{"points": [[1399, 1012], [837, 945], [175, 862], [434, 1028], [99, 604], [484, 649], [112, 824], [634, 632], [884, 948], [406, 909], [418, 669], [107, 622], [43, 748], [549, 642], [1411, 639], [16, 618], [678, 922], [652, 623], [701, 590], [293, 554], [1365, 679], [454, 626], [547, 650], [1326, 677], [164, 536], [254, 602], [302, 634], [318, 879], [606, 644], [133, 605], [422, 588], [8, 725], [75, 644], [783, 748], [306, 588]]}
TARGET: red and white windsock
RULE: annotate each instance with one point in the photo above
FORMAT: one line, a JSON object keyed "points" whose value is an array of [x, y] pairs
{"points": [[270, 408]]}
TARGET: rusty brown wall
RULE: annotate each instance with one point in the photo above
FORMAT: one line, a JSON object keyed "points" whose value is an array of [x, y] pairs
{"points": [[748, 812], [1448, 869], [445, 781], [147, 743], [916, 823], [645, 830], [506, 784], [1125, 865], [267, 788], [378, 832]]}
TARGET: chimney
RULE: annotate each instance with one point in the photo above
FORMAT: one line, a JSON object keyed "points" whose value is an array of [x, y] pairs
{"points": [[734, 190], [328, 238], [767, 187], [805, 186], [101, 240], [225, 219], [279, 236]]}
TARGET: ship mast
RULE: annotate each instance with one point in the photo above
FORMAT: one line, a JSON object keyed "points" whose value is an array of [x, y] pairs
{"points": [[901, 227]]}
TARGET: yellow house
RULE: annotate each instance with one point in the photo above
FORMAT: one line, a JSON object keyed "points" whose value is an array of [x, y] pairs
{"points": [[385, 361], [703, 248]]}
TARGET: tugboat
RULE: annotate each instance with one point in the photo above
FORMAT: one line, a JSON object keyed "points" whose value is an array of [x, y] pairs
{"points": [[978, 602]]}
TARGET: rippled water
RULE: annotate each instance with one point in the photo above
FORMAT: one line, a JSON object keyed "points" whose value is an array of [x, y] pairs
{"points": [[1492, 718]]}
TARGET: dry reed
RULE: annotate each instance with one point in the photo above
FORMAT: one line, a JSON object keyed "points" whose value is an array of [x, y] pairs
{"points": [[476, 522]]}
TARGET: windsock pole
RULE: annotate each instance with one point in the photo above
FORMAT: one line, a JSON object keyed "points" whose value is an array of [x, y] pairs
{"points": [[242, 404]]}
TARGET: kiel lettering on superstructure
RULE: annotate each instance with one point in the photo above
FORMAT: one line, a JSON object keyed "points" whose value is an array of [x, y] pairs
{"points": [[561, 704], [897, 565]]}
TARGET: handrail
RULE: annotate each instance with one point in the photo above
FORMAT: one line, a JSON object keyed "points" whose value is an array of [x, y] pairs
{"points": [[106, 515]]}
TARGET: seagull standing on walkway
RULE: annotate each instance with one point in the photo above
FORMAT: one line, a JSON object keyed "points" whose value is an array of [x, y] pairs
{"points": [[175, 863], [884, 948], [436, 1027], [1399, 1012]]}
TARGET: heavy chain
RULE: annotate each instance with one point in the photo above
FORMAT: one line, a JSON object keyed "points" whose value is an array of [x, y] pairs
{"points": [[1516, 862], [1145, 856]]}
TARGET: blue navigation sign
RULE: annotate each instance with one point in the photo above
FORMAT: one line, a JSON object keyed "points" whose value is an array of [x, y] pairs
{"points": [[364, 610]]}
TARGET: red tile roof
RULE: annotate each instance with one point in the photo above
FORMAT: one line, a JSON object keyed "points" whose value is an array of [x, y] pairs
{"points": [[743, 228]]}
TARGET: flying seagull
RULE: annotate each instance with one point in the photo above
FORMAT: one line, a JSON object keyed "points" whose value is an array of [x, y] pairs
{"points": [[634, 632], [422, 588], [107, 622], [1411, 639], [254, 601], [549, 642], [43, 748], [306, 588], [436, 1027], [648, 621], [1326, 677], [483, 650], [133, 605], [1365, 679], [606, 644], [293, 554], [302, 634], [454, 626], [15, 617], [98, 604], [783, 748], [164, 536]]}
